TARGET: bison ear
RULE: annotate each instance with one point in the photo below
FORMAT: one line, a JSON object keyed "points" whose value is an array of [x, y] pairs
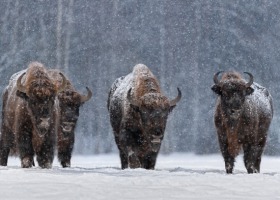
{"points": [[21, 95], [171, 108], [249, 90], [217, 89]]}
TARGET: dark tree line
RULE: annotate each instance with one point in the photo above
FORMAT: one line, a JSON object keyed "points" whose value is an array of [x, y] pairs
{"points": [[184, 42]]}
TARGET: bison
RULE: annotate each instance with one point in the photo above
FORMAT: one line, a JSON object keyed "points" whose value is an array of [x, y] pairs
{"points": [[242, 118], [29, 117], [69, 101], [138, 114]]}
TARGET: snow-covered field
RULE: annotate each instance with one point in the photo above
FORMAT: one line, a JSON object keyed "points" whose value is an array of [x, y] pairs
{"points": [[177, 176]]}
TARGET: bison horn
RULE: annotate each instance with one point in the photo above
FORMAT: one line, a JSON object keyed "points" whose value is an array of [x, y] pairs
{"points": [[130, 100], [251, 79], [64, 83], [177, 99], [85, 98], [215, 78], [20, 87]]}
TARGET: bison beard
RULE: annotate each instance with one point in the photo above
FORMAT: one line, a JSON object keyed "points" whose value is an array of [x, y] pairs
{"points": [[28, 117], [242, 118], [138, 114]]}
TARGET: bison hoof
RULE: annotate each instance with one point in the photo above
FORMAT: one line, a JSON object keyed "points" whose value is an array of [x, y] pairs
{"points": [[229, 171], [26, 163], [229, 168], [3, 163], [46, 165], [65, 164], [252, 170]]}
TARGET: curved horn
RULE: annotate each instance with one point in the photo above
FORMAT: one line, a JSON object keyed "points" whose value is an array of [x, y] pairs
{"points": [[85, 98], [130, 100], [215, 78], [20, 87], [177, 99], [64, 83], [251, 79]]}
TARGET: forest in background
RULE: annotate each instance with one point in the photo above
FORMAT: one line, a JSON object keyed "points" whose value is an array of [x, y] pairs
{"points": [[183, 42]]}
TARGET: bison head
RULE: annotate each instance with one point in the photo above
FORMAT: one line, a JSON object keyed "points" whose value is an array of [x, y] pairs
{"points": [[70, 102], [153, 109], [39, 93], [233, 90]]}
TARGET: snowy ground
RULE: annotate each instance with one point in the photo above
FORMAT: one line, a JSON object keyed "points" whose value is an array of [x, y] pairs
{"points": [[177, 176]]}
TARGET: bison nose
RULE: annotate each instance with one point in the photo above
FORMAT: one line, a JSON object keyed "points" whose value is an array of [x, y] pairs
{"points": [[67, 127], [45, 123], [235, 111], [156, 143], [156, 139]]}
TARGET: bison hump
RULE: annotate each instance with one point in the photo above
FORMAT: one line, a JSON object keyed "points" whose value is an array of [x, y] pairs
{"points": [[260, 99]]}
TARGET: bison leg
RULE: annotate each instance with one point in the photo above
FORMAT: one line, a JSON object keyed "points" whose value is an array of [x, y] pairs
{"points": [[127, 153], [123, 155], [133, 160], [6, 143], [25, 148], [259, 152], [149, 161], [229, 159], [252, 157], [4, 153], [65, 158], [229, 163], [45, 155], [65, 148], [124, 160]]}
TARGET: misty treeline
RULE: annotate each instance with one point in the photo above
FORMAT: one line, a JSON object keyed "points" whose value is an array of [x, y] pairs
{"points": [[184, 42]]}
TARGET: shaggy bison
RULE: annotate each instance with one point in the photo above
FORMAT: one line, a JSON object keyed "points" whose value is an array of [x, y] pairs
{"points": [[242, 118], [69, 101], [29, 116], [138, 114]]}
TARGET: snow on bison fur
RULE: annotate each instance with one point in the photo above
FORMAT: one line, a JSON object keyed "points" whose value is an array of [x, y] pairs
{"points": [[242, 119], [138, 114], [29, 117]]}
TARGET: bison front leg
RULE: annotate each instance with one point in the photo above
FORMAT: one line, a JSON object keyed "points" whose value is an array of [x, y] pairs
{"points": [[228, 158], [127, 150], [122, 153], [133, 160], [124, 160], [259, 151], [64, 156], [4, 153], [65, 148], [6, 142], [45, 155], [252, 157], [149, 161], [25, 148]]}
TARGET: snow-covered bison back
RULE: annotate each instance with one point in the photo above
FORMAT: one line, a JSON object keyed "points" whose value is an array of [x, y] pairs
{"points": [[138, 114], [242, 118], [29, 117]]}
